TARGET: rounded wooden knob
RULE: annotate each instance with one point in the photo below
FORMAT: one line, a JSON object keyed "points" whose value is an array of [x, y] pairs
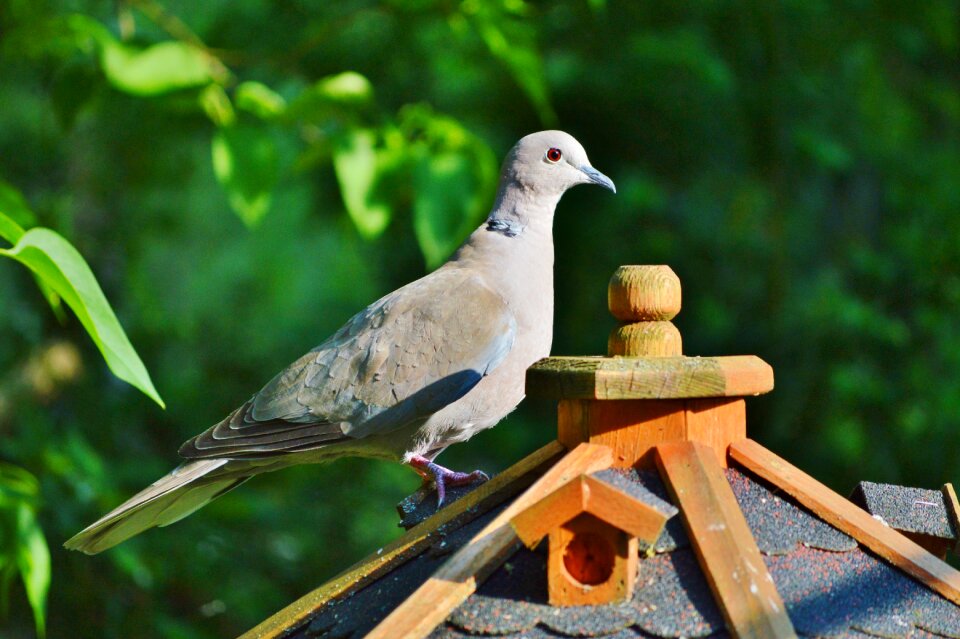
{"points": [[645, 339], [644, 293]]}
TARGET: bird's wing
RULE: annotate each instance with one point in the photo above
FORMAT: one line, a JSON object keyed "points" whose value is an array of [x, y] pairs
{"points": [[401, 359]]}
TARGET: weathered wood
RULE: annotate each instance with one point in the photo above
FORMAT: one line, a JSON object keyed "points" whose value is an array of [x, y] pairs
{"points": [[953, 511], [610, 553], [588, 494], [554, 510], [633, 428], [456, 579], [725, 548], [716, 422], [617, 508], [611, 378], [849, 518], [645, 339], [644, 293], [412, 543]]}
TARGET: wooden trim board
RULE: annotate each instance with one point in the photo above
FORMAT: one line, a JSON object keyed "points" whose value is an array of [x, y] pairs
{"points": [[849, 518], [727, 551], [648, 377], [410, 544]]}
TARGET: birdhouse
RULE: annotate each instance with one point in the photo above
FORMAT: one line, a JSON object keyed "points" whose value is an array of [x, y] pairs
{"points": [[594, 523], [662, 518]]}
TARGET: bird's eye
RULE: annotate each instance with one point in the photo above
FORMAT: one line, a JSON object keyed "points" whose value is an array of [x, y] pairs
{"points": [[554, 155]]}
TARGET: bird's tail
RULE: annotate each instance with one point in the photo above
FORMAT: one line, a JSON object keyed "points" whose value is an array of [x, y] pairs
{"points": [[163, 502]]}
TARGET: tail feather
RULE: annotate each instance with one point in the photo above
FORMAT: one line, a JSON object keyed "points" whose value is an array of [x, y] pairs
{"points": [[167, 500]]}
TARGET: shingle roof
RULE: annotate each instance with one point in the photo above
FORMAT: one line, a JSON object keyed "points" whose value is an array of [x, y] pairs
{"points": [[830, 585], [915, 510]]}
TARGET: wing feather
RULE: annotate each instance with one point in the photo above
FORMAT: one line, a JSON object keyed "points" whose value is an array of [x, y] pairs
{"points": [[402, 358]]}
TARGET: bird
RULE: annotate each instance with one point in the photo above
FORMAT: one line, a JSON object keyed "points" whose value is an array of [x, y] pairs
{"points": [[424, 367]]}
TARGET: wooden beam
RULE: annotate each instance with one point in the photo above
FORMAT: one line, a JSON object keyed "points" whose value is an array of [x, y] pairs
{"points": [[622, 510], [726, 549], [953, 511], [633, 428], [459, 577], [412, 543], [551, 512], [648, 377], [587, 494], [849, 518]]}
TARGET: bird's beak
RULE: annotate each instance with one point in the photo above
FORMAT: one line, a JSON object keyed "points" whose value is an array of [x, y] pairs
{"points": [[596, 177]]}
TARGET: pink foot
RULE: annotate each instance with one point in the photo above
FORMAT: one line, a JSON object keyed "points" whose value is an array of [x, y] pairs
{"points": [[443, 477]]}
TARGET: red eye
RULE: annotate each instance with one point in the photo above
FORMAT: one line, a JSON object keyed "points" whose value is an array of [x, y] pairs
{"points": [[554, 155]]}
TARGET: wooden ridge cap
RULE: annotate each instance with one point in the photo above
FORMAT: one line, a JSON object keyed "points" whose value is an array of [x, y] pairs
{"points": [[602, 378]]}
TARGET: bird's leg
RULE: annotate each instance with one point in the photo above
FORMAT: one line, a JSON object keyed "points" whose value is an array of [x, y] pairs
{"points": [[443, 477]]}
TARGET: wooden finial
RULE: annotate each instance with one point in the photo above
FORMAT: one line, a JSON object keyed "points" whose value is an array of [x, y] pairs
{"points": [[645, 299]]}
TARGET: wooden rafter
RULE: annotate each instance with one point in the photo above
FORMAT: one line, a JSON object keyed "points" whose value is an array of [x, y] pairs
{"points": [[726, 549], [849, 518], [459, 577], [591, 495], [496, 491]]}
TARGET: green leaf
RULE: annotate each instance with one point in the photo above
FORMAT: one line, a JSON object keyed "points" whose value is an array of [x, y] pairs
{"points": [[10, 230], [33, 561], [360, 165], [454, 178], [513, 42], [15, 207], [216, 104], [339, 97], [17, 484], [60, 266], [158, 69], [441, 204], [348, 87], [260, 100], [245, 161]]}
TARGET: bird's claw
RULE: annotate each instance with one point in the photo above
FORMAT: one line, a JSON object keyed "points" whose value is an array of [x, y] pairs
{"points": [[443, 477]]}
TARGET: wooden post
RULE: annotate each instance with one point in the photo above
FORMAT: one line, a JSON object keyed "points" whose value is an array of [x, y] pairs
{"points": [[646, 392]]}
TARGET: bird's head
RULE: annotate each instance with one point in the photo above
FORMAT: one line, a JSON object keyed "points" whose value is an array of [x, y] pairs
{"points": [[551, 162]]}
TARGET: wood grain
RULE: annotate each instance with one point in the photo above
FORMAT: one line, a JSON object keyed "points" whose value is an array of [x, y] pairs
{"points": [[500, 488], [645, 339], [458, 578], [563, 589], [554, 510], [588, 494], [617, 508], [630, 428], [633, 428], [716, 422], [644, 293], [728, 554], [612, 378], [849, 518], [953, 511]]}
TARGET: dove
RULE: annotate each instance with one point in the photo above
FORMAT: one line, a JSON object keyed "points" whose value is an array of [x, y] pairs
{"points": [[424, 367]]}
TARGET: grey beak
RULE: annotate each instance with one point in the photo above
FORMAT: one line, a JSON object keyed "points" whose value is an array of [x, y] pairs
{"points": [[596, 177]]}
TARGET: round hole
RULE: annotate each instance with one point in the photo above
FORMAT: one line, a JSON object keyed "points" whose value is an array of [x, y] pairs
{"points": [[589, 558]]}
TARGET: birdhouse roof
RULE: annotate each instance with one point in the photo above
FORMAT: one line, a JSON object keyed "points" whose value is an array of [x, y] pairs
{"points": [[830, 584]]}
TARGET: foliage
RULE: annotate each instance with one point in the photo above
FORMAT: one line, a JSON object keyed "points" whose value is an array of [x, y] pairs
{"points": [[243, 176]]}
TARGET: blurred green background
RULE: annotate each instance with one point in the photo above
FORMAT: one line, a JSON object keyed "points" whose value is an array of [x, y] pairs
{"points": [[244, 175]]}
